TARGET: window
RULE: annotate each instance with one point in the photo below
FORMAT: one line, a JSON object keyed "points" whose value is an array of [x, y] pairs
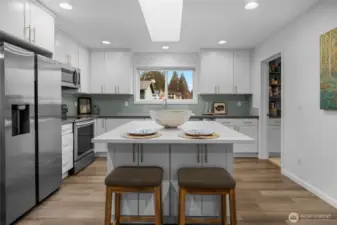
{"points": [[175, 85]]}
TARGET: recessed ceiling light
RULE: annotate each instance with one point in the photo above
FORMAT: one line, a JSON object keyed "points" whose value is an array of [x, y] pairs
{"points": [[252, 5], [106, 42], [163, 19], [66, 5], [222, 42], [165, 47]]}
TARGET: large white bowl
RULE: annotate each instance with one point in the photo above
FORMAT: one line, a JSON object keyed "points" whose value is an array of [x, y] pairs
{"points": [[170, 118]]}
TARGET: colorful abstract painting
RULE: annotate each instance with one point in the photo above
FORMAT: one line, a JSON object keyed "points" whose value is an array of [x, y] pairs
{"points": [[328, 75]]}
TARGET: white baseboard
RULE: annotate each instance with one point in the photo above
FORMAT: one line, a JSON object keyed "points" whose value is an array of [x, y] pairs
{"points": [[245, 155], [101, 154], [65, 175], [331, 201]]}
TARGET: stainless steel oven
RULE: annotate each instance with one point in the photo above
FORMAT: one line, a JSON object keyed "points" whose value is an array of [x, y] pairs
{"points": [[83, 147]]}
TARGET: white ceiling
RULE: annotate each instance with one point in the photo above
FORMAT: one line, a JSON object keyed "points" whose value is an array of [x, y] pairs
{"points": [[204, 23]]}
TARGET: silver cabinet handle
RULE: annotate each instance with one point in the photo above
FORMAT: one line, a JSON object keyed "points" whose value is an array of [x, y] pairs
{"points": [[206, 154], [198, 153], [33, 30], [25, 33], [141, 154], [133, 153]]}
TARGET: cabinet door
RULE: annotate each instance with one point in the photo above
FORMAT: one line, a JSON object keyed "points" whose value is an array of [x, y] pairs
{"points": [[155, 155], [213, 156], [119, 72], [274, 139], [42, 27], [100, 127], [224, 69], [250, 131], [12, 17], [84, 62], [98, 72], [126, 155], [208, 73], [242, 72], [184, 156]]}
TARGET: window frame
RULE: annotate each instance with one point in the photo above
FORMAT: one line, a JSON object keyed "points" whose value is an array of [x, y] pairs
{"points": [[137, 99]]}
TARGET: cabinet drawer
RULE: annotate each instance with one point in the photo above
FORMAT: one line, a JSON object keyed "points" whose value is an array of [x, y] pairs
{"points": [[274, 122], [67, 129], [247, 122], [67, 141], [67, 161], [227, 122]]}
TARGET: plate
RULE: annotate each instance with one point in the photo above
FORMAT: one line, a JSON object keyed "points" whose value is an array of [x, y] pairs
{"points": [[142, 132], [199, 132]]}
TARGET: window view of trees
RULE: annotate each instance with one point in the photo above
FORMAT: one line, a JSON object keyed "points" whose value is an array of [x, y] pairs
{"points": [[153, 84]]}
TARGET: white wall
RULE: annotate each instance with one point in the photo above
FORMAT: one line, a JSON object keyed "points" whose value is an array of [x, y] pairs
{"points": [[310, 143], [190, 60]]}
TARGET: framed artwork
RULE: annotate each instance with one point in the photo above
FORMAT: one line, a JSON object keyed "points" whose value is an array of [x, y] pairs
{"points": [[328, 72]]}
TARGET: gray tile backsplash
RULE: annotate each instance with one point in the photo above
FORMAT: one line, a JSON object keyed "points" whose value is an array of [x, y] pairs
{"points": [[115, 104]]}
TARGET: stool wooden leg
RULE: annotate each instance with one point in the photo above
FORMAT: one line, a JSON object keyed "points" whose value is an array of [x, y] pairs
{"points": [[108, 204], [223, 209], [182, 193], [157, 205], [232, 204], [117, 208]]}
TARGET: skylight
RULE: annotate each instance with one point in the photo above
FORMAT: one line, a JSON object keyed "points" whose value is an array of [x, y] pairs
{"points": [[163, 19]]}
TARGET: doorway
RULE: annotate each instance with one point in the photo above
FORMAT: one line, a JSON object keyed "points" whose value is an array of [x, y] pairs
{"points": [[271, 113]]}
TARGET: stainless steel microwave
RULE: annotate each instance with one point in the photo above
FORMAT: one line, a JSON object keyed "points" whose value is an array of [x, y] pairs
{"points": [[71, 77]]}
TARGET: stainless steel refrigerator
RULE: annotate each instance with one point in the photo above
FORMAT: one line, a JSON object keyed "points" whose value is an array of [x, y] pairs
{"points": [[30, 126]]}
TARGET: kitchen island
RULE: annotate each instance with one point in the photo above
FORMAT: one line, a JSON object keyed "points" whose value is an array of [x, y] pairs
{"points": [[171, 152]]}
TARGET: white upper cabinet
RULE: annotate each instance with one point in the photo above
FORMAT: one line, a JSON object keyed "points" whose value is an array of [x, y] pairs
{"points": [[84, 65], [12, 17], [42, 27], [242, 72], [28, 20], [224, 72], [119, 72], [66, 50], [98, 73], [111, 72]]}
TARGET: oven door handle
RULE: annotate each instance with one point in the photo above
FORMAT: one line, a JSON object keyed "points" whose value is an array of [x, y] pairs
{"points": [[84, 124]]}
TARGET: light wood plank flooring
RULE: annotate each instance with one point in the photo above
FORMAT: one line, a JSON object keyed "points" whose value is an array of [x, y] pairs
{"points": [[276, 161], [264, 197]]}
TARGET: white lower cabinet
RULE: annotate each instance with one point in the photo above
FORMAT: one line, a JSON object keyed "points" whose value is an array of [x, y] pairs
{"points": [[67, 148], [126, 155], [143, 155], [248, 127], [274, 139], [155, 155], [184, 156]]}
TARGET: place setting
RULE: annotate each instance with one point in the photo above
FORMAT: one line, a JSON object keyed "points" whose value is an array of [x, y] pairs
{"points": [[199, 134], [142, 134]]}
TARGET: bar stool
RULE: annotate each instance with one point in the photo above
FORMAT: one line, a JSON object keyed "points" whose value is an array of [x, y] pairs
{"points": [[207, 181], [130, 179]]}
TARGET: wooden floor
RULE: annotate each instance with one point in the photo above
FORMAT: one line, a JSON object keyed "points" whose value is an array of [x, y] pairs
{"points": [[276, 161], [264, 197]]}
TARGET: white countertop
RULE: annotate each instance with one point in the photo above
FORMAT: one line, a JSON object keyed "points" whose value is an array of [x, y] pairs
{"points": [[171, 136]]}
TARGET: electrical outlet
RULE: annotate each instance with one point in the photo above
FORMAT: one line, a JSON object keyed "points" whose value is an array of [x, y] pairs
{"points": [[126, 104]]}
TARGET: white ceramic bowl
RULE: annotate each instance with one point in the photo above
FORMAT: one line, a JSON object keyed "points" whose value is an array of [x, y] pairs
{"points": [[170, 118]]}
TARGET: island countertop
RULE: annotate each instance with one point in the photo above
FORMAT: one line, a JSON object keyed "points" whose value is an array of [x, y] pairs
{"points": [[171, 136]]}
